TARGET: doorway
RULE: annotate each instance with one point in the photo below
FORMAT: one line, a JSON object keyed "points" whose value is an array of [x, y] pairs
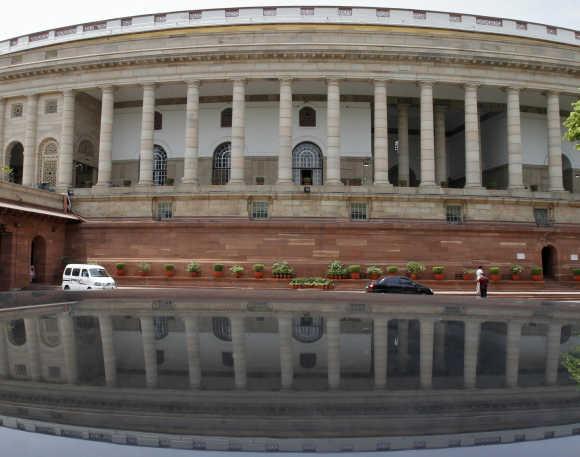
{"points": [[549, 261], [37, 259]]}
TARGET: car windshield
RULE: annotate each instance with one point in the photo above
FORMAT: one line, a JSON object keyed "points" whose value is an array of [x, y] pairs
{"points": [[99, 273]]}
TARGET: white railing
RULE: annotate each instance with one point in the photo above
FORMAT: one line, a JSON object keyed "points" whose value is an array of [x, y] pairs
{"points": [[287, 14]]}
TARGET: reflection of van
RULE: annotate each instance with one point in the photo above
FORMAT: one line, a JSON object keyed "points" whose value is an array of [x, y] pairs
{"points": [[86, 277]]}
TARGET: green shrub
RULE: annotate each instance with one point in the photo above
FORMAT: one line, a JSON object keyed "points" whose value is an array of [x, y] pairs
{"points": [[576, 271], [373, 269], [120, 266], [144, 267], [415, 267], [282, 268], [193, 267], [258, 267], [335, 268], [218, 267], [469, 272], [353, 269], [536, 270], [169, 267], [516, 269], [493, 270], [438, 270], [237, 269], [392, 269]]}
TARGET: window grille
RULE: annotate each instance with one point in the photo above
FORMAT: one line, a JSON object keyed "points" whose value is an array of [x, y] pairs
{"points": [[305, 11], [17, 109], [521, 25], [94, 26], [493, 21], [164, 210], [307, 117], [159, 166], [222, 328], [259, 210], [358, 211], [222, 164], [51, 106], [269, 11], [65, 31], [194, 15], [455, 17], [307, 164], [20, 370], [126, 22], [419, 14], [16, 332], [551, 30], [49, 331], [226, 118], [157, 121], [383, 12], [38, 37], [159, 18], [542, 217], [232, 12], [454, 214], [307, 329], [345, 11], [13, 41]]}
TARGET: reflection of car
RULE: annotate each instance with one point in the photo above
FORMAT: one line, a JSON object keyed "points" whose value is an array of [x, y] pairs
{"points": [[86, 277], [397, 285]]}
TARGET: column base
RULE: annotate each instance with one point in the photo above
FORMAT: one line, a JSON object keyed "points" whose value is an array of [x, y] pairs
{"points": [[382, 187], [288, 186], [333, 186], [143, 186], [187, 187], [101, 188], [430, 188], [60, 189]]}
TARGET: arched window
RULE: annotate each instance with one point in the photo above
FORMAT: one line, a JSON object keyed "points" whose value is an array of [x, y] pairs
{"points": [[15, 162], [48, 163], [226, 118], [222, 328], [307, 117], [221, 164], [85, 164], [307, 329], [158, 121], [16, 332], [49, 331], [159, 166], [307, 164]]}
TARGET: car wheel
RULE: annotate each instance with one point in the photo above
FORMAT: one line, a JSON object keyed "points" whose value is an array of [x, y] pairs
{"points": [[66, 288]]}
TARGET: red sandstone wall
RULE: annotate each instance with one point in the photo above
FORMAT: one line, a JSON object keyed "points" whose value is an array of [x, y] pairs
{"points": [[310, 245]]}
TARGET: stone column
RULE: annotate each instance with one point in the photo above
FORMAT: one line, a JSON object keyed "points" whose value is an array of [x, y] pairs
{"points": [[286, 353], [553, 353], [2, 145], [512, 358], [4, 368], [381, 162], [514, 139], [440, 330], [333, 346], [29, 154], [109, 359], [426, 353], [440, 144], [193, 350], [67, 334], [31, 328], [403, 133], [149, 351], [239, 352], [403, 349], [191, 134], [427, 140], [238, 132], [333, 133], [472, 334], [64, 170], [380, 345], [472, 152], [555, 143], [147, 126], [285, 133], [106, 137]]}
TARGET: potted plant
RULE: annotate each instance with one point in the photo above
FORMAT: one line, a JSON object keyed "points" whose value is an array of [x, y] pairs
{"points": [[414, 268], [336, 270], [468, 275], [218, 270], [373, 272], [282, 270], [169, 270], [576, 274], [354, 271], [392, 270], [494, 273], [438, 272], [536, 273], [237, 271], [516, 270], [120, 267], [258, 270], [144, 268], [193, 269]]}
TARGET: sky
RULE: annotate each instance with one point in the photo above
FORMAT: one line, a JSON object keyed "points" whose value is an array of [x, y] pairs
{"points": [[23, 17]]}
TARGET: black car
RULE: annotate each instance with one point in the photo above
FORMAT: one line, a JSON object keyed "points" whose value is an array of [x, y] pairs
{"points": [[397, 285]]}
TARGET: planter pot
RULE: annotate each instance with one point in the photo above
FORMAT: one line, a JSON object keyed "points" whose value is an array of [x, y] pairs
{"points": [[238, 275], [143, 273], [515, 277], [258, 274], [355, 276], [218, 274], [169, 274], [121, 272], [576, 277], [392, 274], [494, 277], [373, 276], [438, 276], [194, 274], [536, 277], [468, 277], [413, 276]]}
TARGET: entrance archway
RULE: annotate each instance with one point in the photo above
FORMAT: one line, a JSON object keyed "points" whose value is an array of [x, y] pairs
{"points": [[549, 261], [16, 162], [307, 164], [567, 174], [38, 259]]}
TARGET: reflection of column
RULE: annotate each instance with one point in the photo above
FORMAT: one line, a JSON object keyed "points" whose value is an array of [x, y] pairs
{"points": [[403, 134], [67, 334], [31, 328], [333, 346], [440, 145], [191, 134], [426, 353], [440, 329], [472, 333], [427, 140], [555, 143], [149, 352], [4, 370], [285, 133], [514, 139], [29, 153], [3, 156], [380, 346], [512, 358], [147, 132], [106, 138], [333, 132], [238, 132], [286, 356], [65, 155], [239, 353], [403, 350], [381, 152], [472, 154], [106, 328], [553, 353], [193, 350]]}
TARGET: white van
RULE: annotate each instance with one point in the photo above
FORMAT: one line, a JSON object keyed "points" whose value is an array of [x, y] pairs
{"points": [[86, 277]]}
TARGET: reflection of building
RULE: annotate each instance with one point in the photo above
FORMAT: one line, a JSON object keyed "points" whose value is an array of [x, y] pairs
{"points": [[205, 370], [435, 136]]}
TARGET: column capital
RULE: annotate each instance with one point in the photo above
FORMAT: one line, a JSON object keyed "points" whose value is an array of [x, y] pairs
{"points": [[68, 91], [193, 83], [513, 88], [425, 83], [107, 88], [239, 80], [285, 79], [471, 86], [380, 82], [149, 86], [552, 94], [332, 81]]}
